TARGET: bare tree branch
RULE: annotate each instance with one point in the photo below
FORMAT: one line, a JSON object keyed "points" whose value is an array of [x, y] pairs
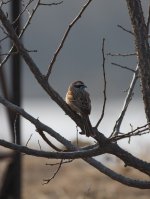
{"points": [[142, 48], [104, 145], [148, 20], [121, 55], [34, 121], [29, 139], [120, 178], [104, 91], [54, 164], [46, 181], [38, 75], [136, 132], [1, 40], [96, 164], [127, 100], [50, 4], [64, 38], [21, 33], [5, 2], [93, 162], [128, 31], [74, 152], [47, 140], [124, 67], [25, 8]]}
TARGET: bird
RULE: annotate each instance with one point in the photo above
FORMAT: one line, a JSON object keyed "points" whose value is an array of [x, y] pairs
{"points": [[79, 101]]}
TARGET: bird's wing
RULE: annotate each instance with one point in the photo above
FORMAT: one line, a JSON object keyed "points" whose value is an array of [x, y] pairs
{"points": [[83, 102]]}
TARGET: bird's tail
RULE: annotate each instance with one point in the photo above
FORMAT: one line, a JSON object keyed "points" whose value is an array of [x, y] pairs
{"points": [[88, 130]]}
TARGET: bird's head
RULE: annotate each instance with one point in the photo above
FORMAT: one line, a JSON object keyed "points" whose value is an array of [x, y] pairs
{"points": [[78, 85]]}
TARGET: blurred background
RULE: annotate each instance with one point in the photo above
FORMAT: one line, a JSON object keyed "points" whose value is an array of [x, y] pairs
{"points": [[79, 59]]}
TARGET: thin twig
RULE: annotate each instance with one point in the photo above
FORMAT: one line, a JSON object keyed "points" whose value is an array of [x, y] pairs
{"points": [[47, 140], [136, 132], [3, 30], [39, 145], [4, 38], [21, 32], [46, 181], [32, 51], [29, 139], [5, 2], [50, 4], [30, 18], [64, 38], [77, 133], [121, 55], [148, 20], [14, 128], [13, 53], [124, 67], [104, 91], [127, 100], [54, 164], [119, 26], [25, 8]]}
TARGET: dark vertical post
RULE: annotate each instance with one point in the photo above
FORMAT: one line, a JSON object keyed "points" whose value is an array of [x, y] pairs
{"points": [[16, 69], [11, 187], [16, 98]]}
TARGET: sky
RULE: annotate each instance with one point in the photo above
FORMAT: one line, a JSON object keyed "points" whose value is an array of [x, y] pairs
{"points": [[81, 56]]}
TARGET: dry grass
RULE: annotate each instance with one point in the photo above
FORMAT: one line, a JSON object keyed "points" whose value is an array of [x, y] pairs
{"points": [[75, 180]]}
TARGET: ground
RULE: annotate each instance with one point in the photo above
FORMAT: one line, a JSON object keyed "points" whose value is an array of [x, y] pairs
{"points": [[76, 180]]}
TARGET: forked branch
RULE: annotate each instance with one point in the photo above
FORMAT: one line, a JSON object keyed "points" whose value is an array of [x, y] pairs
{"points": [[74, 152], [127, 100]]}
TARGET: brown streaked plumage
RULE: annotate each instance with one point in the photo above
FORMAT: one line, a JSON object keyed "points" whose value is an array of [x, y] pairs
{"points": [[79, 101]]}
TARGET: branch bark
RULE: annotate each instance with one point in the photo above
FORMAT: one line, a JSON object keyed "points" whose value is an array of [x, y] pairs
{"points": [[142, 48], [74, 152], [116, 129], [36, 72]]}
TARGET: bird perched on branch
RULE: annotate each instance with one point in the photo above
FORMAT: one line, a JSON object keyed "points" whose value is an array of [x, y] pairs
{"points": [[79, 101]]}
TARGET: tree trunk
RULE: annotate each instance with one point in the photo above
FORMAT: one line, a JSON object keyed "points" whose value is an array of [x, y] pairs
{"points": [[142, 48]]}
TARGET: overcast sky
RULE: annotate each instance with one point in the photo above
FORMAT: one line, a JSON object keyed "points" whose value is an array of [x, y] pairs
{"points": [[81, 56]]}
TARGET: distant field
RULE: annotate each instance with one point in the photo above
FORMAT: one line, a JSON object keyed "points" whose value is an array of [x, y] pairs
{"points": [[75, 180]]}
